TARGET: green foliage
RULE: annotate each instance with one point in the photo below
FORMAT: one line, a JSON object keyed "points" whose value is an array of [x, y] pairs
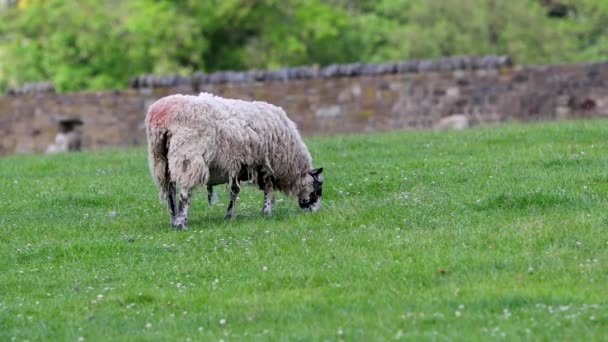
{"points": [[94, 44], [476, 235], [522, 29], [89, 44]]}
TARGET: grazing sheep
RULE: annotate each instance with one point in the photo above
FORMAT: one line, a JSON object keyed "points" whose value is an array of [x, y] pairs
{"points": [[209, 140]]}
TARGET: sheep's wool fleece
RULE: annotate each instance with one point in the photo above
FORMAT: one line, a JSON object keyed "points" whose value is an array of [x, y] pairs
{"points": [[207, 132]]}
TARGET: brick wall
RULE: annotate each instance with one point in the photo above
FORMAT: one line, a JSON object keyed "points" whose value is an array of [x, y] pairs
{"points": [[325, 101]]}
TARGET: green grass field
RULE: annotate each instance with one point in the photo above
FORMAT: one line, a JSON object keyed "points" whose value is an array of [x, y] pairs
{"points": [[487, 233]]}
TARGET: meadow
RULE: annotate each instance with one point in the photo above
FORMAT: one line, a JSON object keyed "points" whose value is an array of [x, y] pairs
{"points": [[487, 233]]}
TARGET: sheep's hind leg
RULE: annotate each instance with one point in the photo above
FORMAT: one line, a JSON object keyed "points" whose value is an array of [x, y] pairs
{"points": [[181, 220], [234, 194]]}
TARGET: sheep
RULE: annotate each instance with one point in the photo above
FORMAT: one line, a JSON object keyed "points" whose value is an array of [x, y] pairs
{"points": [[209, 140]]}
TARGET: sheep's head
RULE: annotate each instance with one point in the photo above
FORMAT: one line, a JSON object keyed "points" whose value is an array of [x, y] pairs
{"points": [[309, 197]]}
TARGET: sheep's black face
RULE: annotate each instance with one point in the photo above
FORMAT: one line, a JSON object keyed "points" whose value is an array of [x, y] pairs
{"points": [[310, 199]]}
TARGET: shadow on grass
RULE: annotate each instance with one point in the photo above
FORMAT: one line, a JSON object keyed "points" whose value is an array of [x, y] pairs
{"points": [[532, 200], [497, 303], [214, 219], [84, 201], [561, 163]]}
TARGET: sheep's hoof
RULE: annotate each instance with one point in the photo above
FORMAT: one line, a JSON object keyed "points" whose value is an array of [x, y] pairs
{"points": [[266, 211], [212, 199], [180, 224]]}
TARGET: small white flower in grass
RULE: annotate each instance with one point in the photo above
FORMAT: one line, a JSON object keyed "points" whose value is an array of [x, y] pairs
{"points": [[80, 339], [578, 243], [99, 297], [112, 214], [461, 306], [179, 285], [200, 329], [530, 269], [148, 325], [340, 332], [265, 268], [222, 321]]}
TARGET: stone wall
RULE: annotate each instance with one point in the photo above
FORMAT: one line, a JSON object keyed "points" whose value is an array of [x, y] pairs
{"points": [[335, 99]]}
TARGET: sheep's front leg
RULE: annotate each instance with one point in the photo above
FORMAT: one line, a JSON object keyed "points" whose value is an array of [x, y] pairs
{"points": [[234, 194], [181, 220], [267, 208], [210, 195], [171, 200]]}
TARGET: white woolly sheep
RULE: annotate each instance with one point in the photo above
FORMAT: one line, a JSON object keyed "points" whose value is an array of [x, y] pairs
{"points": [[209, 140]]}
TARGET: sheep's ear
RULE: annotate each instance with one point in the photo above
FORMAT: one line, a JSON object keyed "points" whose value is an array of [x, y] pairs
{"points": [[315, 172]]}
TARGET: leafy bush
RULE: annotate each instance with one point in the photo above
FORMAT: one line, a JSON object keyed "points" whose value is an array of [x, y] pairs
{"points": [[89, 44]]}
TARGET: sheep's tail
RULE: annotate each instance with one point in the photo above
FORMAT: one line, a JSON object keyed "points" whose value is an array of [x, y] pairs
{"points": [[158, 147]]}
